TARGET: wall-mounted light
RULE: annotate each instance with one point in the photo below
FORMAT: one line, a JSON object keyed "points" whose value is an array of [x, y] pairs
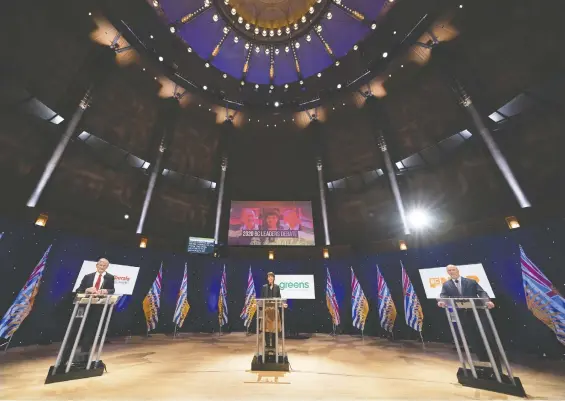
{"points": [[512, 222], [143, 242], [271, 255], [326, 253], [402, 245], [42, 220]]}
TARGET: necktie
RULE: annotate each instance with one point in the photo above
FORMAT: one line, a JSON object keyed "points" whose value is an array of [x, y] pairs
{"points": [[458, 286], [98, 282]]}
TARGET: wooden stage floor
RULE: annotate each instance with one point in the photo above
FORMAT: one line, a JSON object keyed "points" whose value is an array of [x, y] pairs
{"points": [[208, 367]]}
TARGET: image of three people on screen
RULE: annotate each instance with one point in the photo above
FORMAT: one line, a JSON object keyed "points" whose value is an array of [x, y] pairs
{"points": [[268, 226]]}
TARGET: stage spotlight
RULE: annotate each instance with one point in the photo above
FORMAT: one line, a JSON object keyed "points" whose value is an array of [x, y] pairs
{"points": [[326, 253], [402, 245], [160, 58], [143, 242], [271, 255], [512, 222], [126, 216], [419, 219], [277, 104], [42, 220]]}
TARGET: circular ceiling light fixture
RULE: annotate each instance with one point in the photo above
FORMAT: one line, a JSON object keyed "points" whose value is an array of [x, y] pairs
{"points": [[257, 49], [272, 87], [319, 74], [329, 15], [355, 47], [155, 3], [297, 45], [286, 86], [277, 104], [233, 11], [207, 65], [242, 83], [247, 26], [267, 51], [126, 216], [385, 55], [394, 32], [308, 38], [337, 63], [235, 39], [264, 33], [189, 49], [205, 87], [318, 28], [271, 33], [373, 26], [338, 86], [215, 18], [256, 86], [296, 27], [226, 29], [301, 82], [225, 76], [287, 30], [172, 29], [303, 19], [287, 49], [150, 36], [277, 51], [160, 58], [206, 3], [256, 30], [240, 20], [311, 10]]}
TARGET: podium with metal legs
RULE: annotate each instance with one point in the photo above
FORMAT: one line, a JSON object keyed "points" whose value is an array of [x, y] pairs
{"points": [[270, 356], [470, 374], [93, 366]]}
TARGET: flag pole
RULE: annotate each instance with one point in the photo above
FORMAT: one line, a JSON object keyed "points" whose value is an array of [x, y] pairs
{"points": [[220, 332], [422, 338], [8, 343], [175, 332]]}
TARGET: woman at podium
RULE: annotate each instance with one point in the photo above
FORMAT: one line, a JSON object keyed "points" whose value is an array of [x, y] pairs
{"points": [[271, 290]]}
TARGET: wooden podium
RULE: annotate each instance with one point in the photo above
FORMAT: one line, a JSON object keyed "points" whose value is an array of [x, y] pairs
{"points": [[70, 370]]}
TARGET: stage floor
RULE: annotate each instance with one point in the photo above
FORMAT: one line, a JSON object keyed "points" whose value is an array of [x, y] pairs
{"points": [[205, 366]]}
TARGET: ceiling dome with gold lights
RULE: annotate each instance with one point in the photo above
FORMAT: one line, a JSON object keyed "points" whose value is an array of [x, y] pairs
{"points": [[271, 42]]}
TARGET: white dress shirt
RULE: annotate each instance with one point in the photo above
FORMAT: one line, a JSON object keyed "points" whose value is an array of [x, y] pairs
{"points": [[457, 283], [96, 279]]}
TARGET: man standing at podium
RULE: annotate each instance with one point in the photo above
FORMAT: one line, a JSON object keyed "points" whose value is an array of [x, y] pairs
{"points": [[462, 287], [271, 290], [99, 282]]}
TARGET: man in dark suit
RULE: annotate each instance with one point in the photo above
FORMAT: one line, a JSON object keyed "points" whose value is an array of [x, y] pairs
{"points": [[462, 287], [270, 290], [99, 282]]}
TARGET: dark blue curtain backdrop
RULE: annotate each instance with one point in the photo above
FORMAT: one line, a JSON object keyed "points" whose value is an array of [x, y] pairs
{"points": [[23, 245]]}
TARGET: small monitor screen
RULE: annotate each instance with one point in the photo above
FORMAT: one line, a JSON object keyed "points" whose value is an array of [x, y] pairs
{"points": [[200, 245]]}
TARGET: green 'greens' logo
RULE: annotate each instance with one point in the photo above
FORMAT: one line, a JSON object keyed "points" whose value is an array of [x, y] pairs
{"points": [[294, 284]]}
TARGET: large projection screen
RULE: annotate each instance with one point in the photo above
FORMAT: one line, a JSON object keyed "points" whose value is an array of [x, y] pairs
{"points": [[271, 223]]}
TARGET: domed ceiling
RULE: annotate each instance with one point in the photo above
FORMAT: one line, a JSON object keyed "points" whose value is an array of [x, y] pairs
{"points": [[271, 42]]}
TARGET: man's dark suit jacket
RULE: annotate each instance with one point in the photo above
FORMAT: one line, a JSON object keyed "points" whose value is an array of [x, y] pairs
{"points": [[88, 281], [267, 293], [469, 289]]}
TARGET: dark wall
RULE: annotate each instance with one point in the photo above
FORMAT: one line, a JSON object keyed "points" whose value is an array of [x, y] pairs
{"points": [[23, 245]]}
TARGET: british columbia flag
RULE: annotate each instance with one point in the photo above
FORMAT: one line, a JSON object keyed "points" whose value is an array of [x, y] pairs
{"points": [[412, 307], [24, 301], [387, 310], [542, 298]]}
